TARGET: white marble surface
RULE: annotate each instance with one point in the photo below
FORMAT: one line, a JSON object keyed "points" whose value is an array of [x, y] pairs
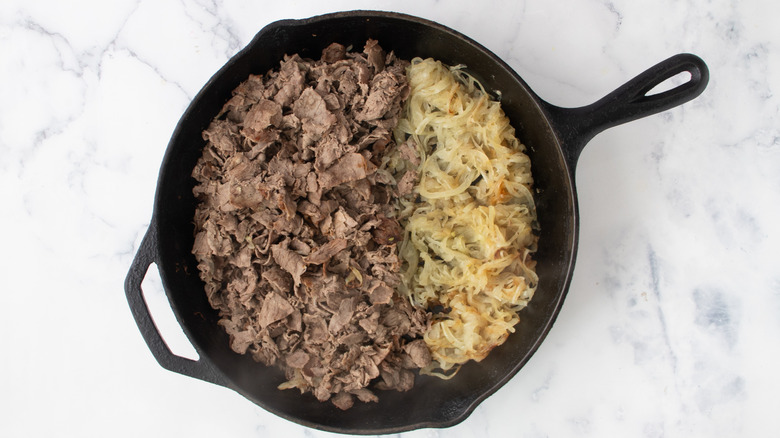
{"points": [[672, 322]]}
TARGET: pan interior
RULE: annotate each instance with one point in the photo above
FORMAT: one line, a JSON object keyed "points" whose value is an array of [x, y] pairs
{"points": [[432, 402]]}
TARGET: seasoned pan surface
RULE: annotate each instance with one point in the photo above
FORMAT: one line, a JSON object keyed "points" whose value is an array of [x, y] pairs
{"points": [[554, 135]]}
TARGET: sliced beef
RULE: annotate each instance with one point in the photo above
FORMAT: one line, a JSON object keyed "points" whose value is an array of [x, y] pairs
{"points": [[316, 329], [343, 315], [294, 231], [290, 261], [313, 113], [325, 252], [419, 353], [350, 167], [381, 293], [343, 400], [297, 359], [343, 225], [280, 280], [334, 52], [274, 308], [408, 152], [262, 115], [407, 182], [381, 97], [329, 150], [291, 80], [375, 54], [387, 231]]}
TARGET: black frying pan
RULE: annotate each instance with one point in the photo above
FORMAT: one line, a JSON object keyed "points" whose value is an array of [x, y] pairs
{"points": [[555, 136]]}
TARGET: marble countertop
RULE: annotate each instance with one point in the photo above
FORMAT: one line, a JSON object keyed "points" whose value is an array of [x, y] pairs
{"points": [[671, 324]]}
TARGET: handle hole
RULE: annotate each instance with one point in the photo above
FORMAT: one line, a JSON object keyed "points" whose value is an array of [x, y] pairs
{"points": [[670, 84], [163, 317]]}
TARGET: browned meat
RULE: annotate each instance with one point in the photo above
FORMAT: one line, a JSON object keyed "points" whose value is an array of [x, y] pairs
{"points": [[295, 236], [278, 279], [334, 52], [310, 108], [376, 56], [291, 79], [343, 400], [418, 352], [409, 152], [274, 308], [380, 100], [387, 231], [325, 252], [381, 294], [261, 116], [290, 261], [407, 182], [350, 167]]}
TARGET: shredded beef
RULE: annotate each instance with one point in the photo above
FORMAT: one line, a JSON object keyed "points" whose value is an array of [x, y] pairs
{"points": [[407, 182], [274, 308], [295, 230], [325, 252]]}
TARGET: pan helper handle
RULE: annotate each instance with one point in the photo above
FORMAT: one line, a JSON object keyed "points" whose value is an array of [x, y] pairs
{"points": [[146, 255]]}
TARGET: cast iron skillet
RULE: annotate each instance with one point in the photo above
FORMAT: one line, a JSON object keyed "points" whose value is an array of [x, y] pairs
{"points": [[554, 135]]}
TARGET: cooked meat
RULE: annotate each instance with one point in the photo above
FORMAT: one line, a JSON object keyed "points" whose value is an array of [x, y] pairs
{"points": [[342, 316], [381, 98], [274, 308], [297, 359], [408, 152], [334, 52], [325, 252], [328, 151], [343, 400], [376, 56], [418, 352], [381, 294], [387, 230], [261, 116], [310, 108], [350, 167], [407, 182], [289, 82], [278, 279], [290, 261], [295, 230]]}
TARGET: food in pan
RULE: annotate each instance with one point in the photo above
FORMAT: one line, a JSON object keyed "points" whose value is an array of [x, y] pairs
{"points": [[296, 235], [305, 194], [469, 219]]}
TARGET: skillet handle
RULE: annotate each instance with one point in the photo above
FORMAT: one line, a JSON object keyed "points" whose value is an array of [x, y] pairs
{"points": [[146, 255], [576, 126]]}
